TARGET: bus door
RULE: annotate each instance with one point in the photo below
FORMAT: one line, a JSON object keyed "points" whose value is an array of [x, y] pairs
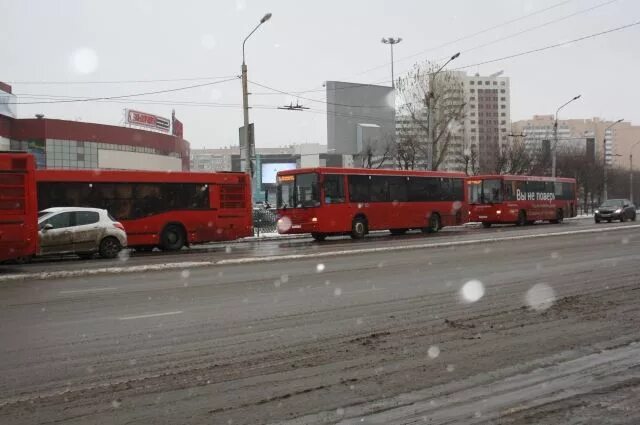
{"points": [[334, 203]]}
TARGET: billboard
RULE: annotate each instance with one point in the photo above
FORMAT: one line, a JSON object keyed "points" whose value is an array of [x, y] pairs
{"points": [[269, 171], [148, 120]]}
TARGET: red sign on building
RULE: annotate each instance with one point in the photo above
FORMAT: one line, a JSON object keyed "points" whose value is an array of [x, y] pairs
{"points": [[148, 120]]}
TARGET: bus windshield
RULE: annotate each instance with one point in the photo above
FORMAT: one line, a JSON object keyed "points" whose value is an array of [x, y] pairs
{"points": [[485, 191], [299, 191]]}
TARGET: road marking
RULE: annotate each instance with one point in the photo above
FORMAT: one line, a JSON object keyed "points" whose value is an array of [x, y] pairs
{"points": [[84, 291], [315, 255], [146, 316]]}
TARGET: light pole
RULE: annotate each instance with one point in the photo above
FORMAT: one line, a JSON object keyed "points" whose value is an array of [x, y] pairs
{"points": [[247, 150], [604, 160], [432, 109], [391, 41], [631, 171], [555, 136]]}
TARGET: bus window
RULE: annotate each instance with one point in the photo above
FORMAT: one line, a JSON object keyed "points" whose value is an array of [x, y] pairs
{"points": [[491, 191], [359, 188], [379, 189], [398, 189], [306, 190], [333, 189]]}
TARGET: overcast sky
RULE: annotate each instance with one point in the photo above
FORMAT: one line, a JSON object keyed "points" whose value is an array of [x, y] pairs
{"points": [[304, 44]]}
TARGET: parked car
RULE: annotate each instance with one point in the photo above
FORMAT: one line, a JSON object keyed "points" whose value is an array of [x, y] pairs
{"points": [[615, 209], [81, 231]]}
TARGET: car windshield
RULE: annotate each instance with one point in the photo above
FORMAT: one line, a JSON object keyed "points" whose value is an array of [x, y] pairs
{"points": [[617, 203]]}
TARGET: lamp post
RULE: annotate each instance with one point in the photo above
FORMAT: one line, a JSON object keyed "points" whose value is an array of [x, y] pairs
{"points": [[391, 41], [604, 159], [555, 136], [432, 110], [631, 171], [247, 150]]}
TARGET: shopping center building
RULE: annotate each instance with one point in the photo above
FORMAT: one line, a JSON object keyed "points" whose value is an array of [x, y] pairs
{"points": [[72, 144]]}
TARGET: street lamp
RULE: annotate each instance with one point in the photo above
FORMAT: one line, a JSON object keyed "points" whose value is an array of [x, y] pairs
{"points": [[432, 108], [391, 41], [631, 171], [555, 136], [604, 159], [247, 151]]}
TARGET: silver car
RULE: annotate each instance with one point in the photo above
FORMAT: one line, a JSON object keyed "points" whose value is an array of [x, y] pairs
{"points": [[81, 231]]}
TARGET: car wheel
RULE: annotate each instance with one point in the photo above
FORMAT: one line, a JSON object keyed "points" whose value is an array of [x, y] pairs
{"points": [[398, 232], [522, 219], [597, 220], [358, 228], [109, 247], [633, 217], [172, 238], [319, 236], [609, 221], [486, 225]]}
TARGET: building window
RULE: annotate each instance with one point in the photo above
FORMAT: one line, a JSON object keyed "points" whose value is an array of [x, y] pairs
{"points": [[503, 106], [503, 122], [472, 82], [503, 130], [503, 99], [503, 114], [472, 90], [502, 83], [503, 91], [473, 121]]}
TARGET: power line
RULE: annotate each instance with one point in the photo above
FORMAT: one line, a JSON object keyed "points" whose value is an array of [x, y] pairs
{"points": [[551, 46], [91, 99], [545, 24], [466, 37], [318, 100], [118, 81]]}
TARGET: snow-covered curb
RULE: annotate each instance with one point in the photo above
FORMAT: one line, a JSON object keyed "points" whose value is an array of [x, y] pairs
{"points": [[275, 258]]}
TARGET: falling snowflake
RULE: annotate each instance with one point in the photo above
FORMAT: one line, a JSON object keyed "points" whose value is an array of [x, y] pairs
{"points": [[433, 352], [320, 267], [283, 224], [472, 291], [540, 297], [337, 292], [185, 274]]}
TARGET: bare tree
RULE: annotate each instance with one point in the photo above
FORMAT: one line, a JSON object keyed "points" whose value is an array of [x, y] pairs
{"points": [[514, 158], [432, 105], [376, 155], [470, 160]]}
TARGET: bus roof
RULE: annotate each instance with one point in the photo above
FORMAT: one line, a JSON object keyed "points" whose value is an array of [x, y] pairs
{"points": [[115, 176], [523, 178], [371, 172]]}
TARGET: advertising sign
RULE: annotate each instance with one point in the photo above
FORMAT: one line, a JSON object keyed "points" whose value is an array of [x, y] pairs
{"points": [[148, 120]]}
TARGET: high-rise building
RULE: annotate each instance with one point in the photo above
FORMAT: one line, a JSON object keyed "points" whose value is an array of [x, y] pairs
{"points": [[487, 122]]}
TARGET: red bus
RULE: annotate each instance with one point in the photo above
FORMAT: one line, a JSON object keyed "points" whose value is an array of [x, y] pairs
{"points": [[158, 209], [497, 199], [18, 209], [339, 201]]}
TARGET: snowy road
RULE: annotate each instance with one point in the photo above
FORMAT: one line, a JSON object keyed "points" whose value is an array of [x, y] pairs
{"points": [[540, 330]]}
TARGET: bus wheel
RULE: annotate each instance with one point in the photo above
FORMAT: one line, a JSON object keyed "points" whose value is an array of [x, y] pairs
{"points": [[435, 224], [398, 232], [319, 236], [109, 247], [559, 216], [358, 228], [172, 238], [522, 219], [486, 225]]}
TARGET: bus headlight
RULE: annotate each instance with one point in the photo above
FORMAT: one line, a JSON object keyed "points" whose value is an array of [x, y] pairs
{"points": [[314, 220], [498, 212]]}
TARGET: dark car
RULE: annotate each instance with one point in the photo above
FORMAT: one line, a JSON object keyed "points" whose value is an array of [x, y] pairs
{"points": [[616, 209]]}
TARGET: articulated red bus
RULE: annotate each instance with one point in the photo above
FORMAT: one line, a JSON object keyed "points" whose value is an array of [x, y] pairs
{"points": [[339, 201], [497, 199], [18, 209], [158, 209]]}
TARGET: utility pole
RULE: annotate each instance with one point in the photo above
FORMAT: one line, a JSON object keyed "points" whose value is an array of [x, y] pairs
{"points": [[555, 137], [631, 171], [246, 151], [391, 41], [604, 159]]}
